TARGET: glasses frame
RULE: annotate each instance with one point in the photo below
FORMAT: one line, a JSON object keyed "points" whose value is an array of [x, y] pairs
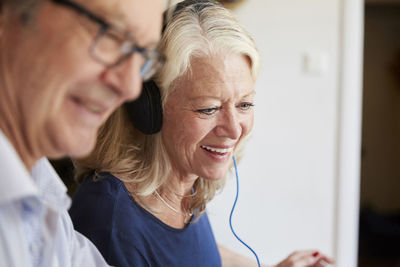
{"points": [[152, 56]]}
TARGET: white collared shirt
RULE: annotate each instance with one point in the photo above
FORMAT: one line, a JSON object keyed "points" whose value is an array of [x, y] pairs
{"points": [[35, 228]]}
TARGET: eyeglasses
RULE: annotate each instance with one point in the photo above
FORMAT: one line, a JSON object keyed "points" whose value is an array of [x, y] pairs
{"points": [[111, 46]]}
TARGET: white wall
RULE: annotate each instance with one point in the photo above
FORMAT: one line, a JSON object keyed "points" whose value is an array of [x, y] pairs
{"points": [[289, 175]]}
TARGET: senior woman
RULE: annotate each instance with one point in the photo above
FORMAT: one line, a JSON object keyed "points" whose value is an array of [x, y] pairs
{"points": [[143, 197]]}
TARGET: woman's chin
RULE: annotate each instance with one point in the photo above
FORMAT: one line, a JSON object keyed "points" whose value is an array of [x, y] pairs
{"points": [[214, 176]]}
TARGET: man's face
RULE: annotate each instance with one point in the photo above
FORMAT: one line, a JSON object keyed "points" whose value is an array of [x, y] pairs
{"points": [[58, 93]]}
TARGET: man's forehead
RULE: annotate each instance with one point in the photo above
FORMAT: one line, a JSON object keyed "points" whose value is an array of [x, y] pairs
{"points": [[116, 11], [134, 16]]}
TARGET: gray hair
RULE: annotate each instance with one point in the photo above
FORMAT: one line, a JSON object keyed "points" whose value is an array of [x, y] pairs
{"points": [[199, 29]]}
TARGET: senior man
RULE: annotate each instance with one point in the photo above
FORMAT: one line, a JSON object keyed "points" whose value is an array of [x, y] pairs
{"points": [[64, 67]]}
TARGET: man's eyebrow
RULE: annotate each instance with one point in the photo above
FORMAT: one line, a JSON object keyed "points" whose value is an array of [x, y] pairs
{"points": [[120, 22], [113, 16]]}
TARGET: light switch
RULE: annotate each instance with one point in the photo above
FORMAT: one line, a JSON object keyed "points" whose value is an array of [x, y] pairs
{"points": [[315, 63]]}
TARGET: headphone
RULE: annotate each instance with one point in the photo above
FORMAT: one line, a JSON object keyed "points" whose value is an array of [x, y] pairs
{"points": [[145, 113]]}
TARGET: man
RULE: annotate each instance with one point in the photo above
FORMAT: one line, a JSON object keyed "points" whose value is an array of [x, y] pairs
{"points": [[64, 67]]}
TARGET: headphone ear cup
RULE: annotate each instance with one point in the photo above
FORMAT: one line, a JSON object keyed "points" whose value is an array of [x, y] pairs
{"points": [[145, 113]]}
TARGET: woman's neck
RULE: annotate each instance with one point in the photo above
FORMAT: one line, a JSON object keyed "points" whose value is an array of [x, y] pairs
{"points": [[178, 186], [169, 202]]}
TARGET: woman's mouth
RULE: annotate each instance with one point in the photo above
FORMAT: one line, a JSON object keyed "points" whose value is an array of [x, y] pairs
{"points": [[217, 151]]}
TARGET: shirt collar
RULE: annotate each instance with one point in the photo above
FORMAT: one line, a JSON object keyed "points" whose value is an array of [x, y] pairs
{"points": [[51, 189], [15, 181]]}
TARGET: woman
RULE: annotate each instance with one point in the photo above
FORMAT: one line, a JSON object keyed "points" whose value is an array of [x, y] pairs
{"points": [[143, 197]]}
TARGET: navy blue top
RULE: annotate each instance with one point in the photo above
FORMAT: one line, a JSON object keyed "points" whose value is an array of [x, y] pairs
{"points": [[128, 235]]}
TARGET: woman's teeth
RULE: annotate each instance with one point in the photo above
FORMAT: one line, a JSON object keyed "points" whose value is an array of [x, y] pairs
{"points": [[217, 150]]}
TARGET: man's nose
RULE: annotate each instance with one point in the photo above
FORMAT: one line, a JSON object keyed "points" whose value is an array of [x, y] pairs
{"points": [[125, 78]]}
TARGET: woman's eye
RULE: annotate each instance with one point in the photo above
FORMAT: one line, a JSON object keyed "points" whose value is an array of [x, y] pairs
{"points": [[246, 105], [208, 111]]}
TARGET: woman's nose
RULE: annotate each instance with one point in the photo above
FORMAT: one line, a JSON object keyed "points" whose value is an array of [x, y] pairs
{"points": [[229, 125]]}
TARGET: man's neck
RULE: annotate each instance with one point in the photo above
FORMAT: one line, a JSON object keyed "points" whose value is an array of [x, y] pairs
{"points": [[12, 127]]}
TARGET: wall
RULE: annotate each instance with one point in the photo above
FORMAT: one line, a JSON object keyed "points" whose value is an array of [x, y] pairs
{"points": [[289, 176]]}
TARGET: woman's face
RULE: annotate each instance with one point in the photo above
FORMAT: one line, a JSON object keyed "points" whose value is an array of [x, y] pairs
{"points": [[207, 114]]}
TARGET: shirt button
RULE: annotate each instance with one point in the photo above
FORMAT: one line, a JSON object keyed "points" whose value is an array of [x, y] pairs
{"points": [[34, 249]]}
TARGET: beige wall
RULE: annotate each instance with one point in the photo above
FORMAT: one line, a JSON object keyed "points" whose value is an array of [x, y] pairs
{"points": [[380, 182]]}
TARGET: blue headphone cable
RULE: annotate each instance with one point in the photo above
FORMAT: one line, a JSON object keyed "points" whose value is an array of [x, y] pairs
{"points": [[233, 208]]}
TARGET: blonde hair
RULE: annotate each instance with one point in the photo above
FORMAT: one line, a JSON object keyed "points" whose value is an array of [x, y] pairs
{"points": [[200, 29]]}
